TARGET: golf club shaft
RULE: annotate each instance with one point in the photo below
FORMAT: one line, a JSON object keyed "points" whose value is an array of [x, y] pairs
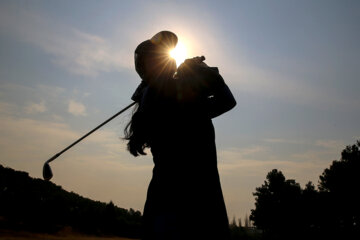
{"points": [[77, 141]]}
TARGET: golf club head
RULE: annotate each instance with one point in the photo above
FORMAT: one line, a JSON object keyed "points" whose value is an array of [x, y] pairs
{"points": [[47, 173]]}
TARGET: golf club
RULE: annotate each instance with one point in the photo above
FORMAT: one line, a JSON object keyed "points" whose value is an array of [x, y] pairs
{"points": [[47, 173]]}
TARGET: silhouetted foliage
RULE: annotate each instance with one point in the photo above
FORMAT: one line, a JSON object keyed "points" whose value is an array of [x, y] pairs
{"points": [[275, 199], [285, 211], [36, 205], [238, 232], [339, 187]]}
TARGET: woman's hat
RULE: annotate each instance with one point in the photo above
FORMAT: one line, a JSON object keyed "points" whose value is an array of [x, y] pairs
{"points": [[160, 43]]}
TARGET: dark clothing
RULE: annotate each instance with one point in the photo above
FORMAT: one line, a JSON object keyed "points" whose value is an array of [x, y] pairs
{"points": [[184, 198]]}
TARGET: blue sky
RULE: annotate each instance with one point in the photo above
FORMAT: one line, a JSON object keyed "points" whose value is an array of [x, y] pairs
{"points": [[66, 66]]}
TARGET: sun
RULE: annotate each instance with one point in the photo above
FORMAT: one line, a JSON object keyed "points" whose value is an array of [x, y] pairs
{"points": [[179, 53]]}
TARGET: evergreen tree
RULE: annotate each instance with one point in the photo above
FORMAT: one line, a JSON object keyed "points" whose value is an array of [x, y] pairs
{"points": [[339, 186], [246, 221], [277, 204], [233, 222]]}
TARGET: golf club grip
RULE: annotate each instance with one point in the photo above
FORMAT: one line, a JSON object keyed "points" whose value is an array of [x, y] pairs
{"points": [[80, 139]]}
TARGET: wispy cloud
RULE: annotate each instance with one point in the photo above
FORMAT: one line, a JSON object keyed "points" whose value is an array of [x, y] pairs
{"points": [[244, 169], [325, 150], [6, 108], [25, 144], [35, 107], [76, 51], [331, 144], [24, 138], [282, 140], [233, 163], [76, 108], [46, 91], [234, 154], [271, 84], [19, 99]]}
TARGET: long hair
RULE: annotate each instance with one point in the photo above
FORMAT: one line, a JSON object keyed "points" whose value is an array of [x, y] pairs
{"points": [[160, 68], [135, 132], [187, 89]]}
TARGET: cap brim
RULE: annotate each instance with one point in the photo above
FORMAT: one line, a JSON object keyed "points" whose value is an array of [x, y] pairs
{"points": [[165, 38]]}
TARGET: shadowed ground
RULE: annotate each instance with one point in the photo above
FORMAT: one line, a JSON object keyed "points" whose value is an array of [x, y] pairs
{"points": [[63, 235]]}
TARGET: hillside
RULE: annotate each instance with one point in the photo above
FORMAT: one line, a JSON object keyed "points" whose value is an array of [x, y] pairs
{"points": [[32, 204]]}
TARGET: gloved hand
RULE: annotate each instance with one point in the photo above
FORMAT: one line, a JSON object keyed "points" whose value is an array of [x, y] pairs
{"points": [[197, 76]]}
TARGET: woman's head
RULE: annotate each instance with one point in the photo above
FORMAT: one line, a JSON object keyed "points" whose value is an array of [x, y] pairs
{"points": [[154, 65], [152, 59]]}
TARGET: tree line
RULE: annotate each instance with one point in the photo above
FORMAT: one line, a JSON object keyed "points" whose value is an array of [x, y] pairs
{"points": [[36, 205], [284, 210]]}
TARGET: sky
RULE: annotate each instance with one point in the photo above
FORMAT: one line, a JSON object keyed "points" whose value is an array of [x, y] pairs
{"points": [[66, 66]]}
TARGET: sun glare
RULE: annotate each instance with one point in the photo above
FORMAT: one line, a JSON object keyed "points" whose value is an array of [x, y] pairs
{"points": [[179, 53]]}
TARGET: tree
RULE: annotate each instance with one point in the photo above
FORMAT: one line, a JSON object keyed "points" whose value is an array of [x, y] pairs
{"points": [[339, 185], [285, 211], [276, 206], [41, 206], [247, 221], [310, 211], [343, 174], [233, 222]]}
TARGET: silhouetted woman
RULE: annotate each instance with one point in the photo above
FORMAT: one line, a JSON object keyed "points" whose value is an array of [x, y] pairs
{"points": [[173, 118]]}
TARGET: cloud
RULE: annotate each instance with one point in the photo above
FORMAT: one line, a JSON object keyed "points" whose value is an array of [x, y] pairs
{"points": [[257, 161], [86, 54], [331, 144], [243, 169], [35, 107], [234, 154], [281, 140], [271, 84], [48, 90], [322, 151], [88, 169], [23, 139], [76, 108], [11, 90], [76, 51], [57, 118], [6, 108], [21, 100]]}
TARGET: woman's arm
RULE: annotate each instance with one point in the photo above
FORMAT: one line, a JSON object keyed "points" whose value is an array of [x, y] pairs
{"points": [[222, 100], [216, 97]]}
